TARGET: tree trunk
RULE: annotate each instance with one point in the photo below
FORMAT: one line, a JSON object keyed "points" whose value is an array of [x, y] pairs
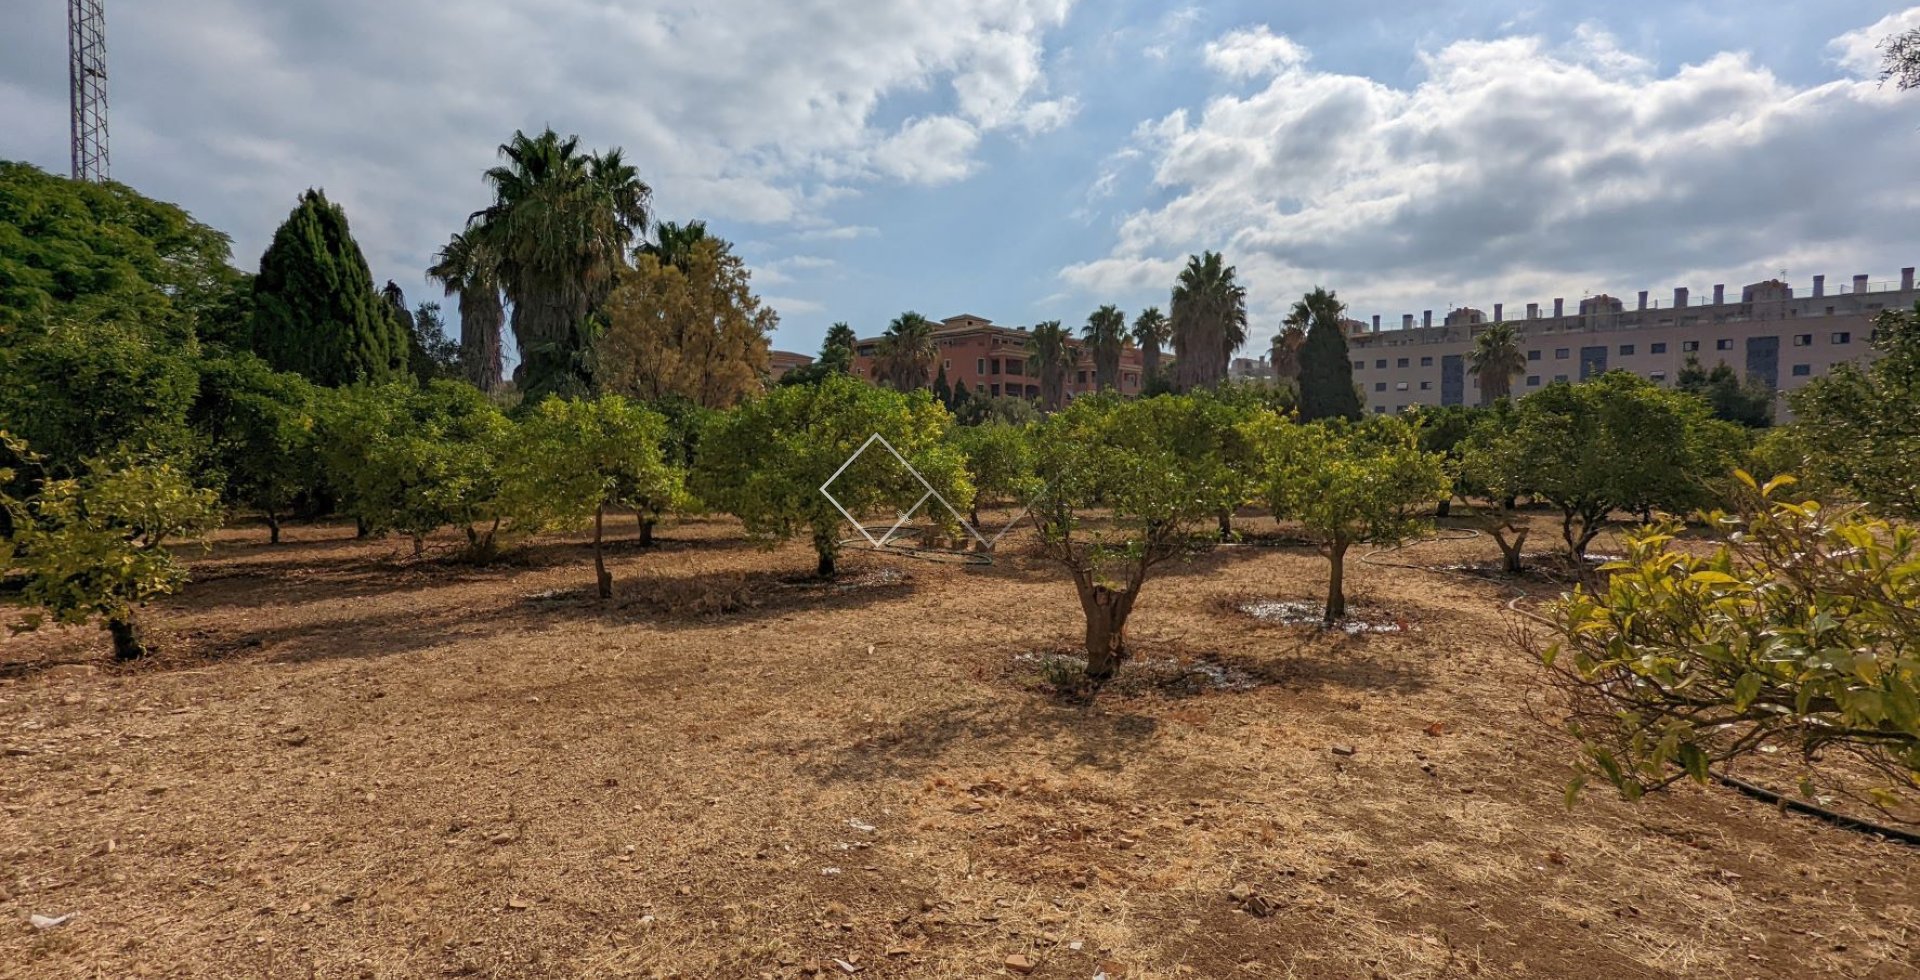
{"points": [[128, 643], [1510, 551], [419, 545], [602, 578], [273, 528], [1226, 523], [360, 529], [1445, 508], [1336, 583], [1106, 612], [646, 530]]}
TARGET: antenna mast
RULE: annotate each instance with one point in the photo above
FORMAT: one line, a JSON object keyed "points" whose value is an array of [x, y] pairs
{"points": [[87, 79]]}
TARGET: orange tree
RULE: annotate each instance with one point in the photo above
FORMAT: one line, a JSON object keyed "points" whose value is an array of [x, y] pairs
{"points": [[1123, 485], [1800, 629], [1349, 483]]}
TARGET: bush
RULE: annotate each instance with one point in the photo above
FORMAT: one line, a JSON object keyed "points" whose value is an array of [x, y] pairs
{"points": [[415, 460], [765, 460], [1861, 426], [1801, 629], [99, 544]]}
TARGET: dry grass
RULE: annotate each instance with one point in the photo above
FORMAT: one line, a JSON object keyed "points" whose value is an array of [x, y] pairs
{"points": [[352, 765]]}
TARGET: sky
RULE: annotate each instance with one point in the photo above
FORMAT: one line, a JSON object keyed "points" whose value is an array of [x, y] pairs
{"points": [[1027, 160]]}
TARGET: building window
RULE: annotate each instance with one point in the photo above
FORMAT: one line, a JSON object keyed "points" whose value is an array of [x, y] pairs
{"points": [[1359, 365], [1559, 378], [1426, 362], [1802, 370], [1426, 386], [1380, 363], [1723, 344], [1841, 337], [980, 365], [1803, 340], [1689, 346], [979, 388], [995, 391], [1379, 386], [1656, 348], [1626, 350], [1379, 409], [1402, 363], [1533, 355], [1560, 354], [948, 364], [1658, 377], [1533, 381], [1397, 409], [1402, 386]]}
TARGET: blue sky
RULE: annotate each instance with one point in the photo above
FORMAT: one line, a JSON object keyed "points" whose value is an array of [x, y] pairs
{"points": [[1033, 159]]}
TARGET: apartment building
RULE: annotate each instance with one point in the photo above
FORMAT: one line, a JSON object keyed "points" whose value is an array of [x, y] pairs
{"points": [[779, 362], [990, 360], [1769, 333]]}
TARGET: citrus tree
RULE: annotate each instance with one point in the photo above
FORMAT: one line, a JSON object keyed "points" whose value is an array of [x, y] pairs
{"points": [[1861, 425], [1121, 495], [765, 460], [999, 461], [569, 460], [100, 544], [1349, 483], [1799, 629], [415, 460], [1617, 442], [258, 424]]}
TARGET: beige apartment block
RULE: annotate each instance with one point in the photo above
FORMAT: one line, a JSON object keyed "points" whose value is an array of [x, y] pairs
{"points": [[1770, 332]]}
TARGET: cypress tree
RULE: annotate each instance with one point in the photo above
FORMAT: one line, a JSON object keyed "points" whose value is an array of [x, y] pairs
{"points": [[941, 389], [1326, 373], [316, 311]]}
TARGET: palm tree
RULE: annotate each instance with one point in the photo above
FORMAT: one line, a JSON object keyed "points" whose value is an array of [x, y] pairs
{"points": [[907, 352], [558, 229], [465, 270], [1049, 357], [836, 351], [1209, 321], [1496, 357], [1285, 356], [1151, 332], [1106, 335], [675, 242]]}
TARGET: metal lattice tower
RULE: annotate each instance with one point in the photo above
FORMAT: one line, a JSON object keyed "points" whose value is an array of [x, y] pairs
{"points": [[87, 78]]}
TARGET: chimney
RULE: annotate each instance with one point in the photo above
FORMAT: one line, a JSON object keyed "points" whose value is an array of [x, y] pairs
{"points": [[1719, 294], [1906, 279], [1643, 299], [1426, 319], [1680, 297], [1498, 308], [1376, 323], [1559, 307], [1406, 321], [1819, 286], [1859, 284], [1533, 311]]}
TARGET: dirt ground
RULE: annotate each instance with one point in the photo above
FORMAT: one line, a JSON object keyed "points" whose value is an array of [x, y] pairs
{"points": [[351, 764]]}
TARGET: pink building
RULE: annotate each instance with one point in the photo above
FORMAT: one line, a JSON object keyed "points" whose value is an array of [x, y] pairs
{"points": [[991, 360]]}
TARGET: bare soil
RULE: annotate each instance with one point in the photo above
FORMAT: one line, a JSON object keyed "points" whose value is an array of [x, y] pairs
{"points": [[347, 763]]}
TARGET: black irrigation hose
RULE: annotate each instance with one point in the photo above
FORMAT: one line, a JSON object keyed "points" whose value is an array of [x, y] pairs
{"points": [[1734, 783]]}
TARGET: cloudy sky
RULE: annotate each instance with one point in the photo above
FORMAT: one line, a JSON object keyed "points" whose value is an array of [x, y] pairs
{"points": [[1032, 159]]}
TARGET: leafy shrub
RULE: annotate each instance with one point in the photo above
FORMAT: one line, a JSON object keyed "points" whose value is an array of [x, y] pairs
{"points": [[1800, 629]]}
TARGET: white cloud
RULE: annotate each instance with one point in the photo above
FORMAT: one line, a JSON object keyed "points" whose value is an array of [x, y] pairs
{"points": [[733, 109], [929, 150], [1515, 171], [1253, 52], [1860, 51]]}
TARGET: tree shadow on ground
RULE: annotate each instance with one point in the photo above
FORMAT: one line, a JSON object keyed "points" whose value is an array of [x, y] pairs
{"points": [[1095, 736]]}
